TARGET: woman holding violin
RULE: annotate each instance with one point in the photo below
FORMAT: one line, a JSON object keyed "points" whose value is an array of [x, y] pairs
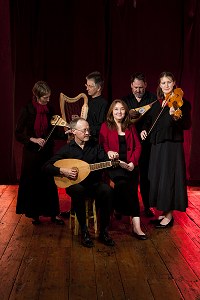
{"points": [[167, 171]]}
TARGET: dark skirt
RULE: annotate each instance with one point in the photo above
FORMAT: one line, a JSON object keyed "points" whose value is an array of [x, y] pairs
{"points": [[167, 175], [37, 193]]}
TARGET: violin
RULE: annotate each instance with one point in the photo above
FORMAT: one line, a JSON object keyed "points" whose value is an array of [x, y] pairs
{"points": [[175, 100]]}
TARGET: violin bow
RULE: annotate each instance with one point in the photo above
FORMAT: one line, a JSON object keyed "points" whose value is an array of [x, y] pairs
{"points": [[177, 92], [158, 116], [48, 136]]}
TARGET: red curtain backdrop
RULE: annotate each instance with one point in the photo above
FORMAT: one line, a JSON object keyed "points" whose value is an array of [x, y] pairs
{"points": [[7, 117], [62, 41]]}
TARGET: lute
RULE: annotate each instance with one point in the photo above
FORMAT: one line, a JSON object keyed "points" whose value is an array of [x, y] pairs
{"points": [[58, 121], [83, 168], [141, 110]]}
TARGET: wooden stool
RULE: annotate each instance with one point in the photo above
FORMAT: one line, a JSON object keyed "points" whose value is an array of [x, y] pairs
{"points": [[90, 209]]}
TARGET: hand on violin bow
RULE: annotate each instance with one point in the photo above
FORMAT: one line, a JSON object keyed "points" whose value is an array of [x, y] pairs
{"points": [[143, 135], [39, 141]]}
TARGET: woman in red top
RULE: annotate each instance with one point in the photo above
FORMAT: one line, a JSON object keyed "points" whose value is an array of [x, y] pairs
{"points": [[37, 193], [120, 141]]}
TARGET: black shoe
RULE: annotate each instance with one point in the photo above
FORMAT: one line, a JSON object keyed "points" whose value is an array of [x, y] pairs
{"points": [[156, 221], [106, 239], [86, 239], [57, 221], [141, 237], [36, 221], [170, 224], [148, 213], [65, 214]]}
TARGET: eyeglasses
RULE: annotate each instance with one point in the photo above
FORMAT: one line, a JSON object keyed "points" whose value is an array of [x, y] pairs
{"points": [[89, 86], [84, 130]]}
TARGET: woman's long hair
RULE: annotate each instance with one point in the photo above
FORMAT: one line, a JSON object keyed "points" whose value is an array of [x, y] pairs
{"points": [[110, 119], [160, 94]]}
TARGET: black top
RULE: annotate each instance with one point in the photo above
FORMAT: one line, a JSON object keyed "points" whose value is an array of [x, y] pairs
{"points": [[132, 102], [98, 108], [122, 148], [118, 171], [166, 128], [91, 153], [25, 128], [37, 194]]}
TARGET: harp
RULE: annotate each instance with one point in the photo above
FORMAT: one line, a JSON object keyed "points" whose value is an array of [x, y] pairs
{"points": [[69, 112], [73, 107]]}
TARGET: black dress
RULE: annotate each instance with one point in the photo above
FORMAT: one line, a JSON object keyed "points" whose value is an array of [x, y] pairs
{"points": [[167, 170], [37, 193]]}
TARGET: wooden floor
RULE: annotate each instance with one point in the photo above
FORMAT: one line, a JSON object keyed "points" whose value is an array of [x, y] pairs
{"points": [[47, 261]]}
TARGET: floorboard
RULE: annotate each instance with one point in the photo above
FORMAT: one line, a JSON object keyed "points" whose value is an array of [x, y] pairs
{"points": [[47, 262]]}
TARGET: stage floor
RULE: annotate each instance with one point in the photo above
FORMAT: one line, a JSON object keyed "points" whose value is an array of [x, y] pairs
{"points": [[47, 261]]}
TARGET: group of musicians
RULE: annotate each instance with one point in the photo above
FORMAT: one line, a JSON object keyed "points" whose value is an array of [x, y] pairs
{"points": [[142, 132]]}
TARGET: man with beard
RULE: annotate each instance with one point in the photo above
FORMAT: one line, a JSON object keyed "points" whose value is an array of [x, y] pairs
{"points": [[138, 98]]}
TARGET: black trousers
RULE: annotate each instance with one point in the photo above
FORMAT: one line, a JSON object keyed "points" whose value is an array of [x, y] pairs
{"points": [[126, 199], [143, 168], [103, 195]]}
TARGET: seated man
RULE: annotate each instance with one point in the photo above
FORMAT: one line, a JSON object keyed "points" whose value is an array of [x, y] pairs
{"points": [[84, 149]]}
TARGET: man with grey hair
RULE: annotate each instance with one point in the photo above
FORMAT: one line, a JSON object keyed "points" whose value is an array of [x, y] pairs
{"points": [[97, 104], [97, 111], [81, 147]]}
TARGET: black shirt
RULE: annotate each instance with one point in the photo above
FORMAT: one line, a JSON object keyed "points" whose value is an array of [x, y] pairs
{"points": [[97, 111], [166, 128], [132, 103], [91, 153]]}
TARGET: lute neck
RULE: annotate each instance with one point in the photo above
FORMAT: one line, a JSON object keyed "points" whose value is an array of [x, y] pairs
{"points": [[100, 165]]}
